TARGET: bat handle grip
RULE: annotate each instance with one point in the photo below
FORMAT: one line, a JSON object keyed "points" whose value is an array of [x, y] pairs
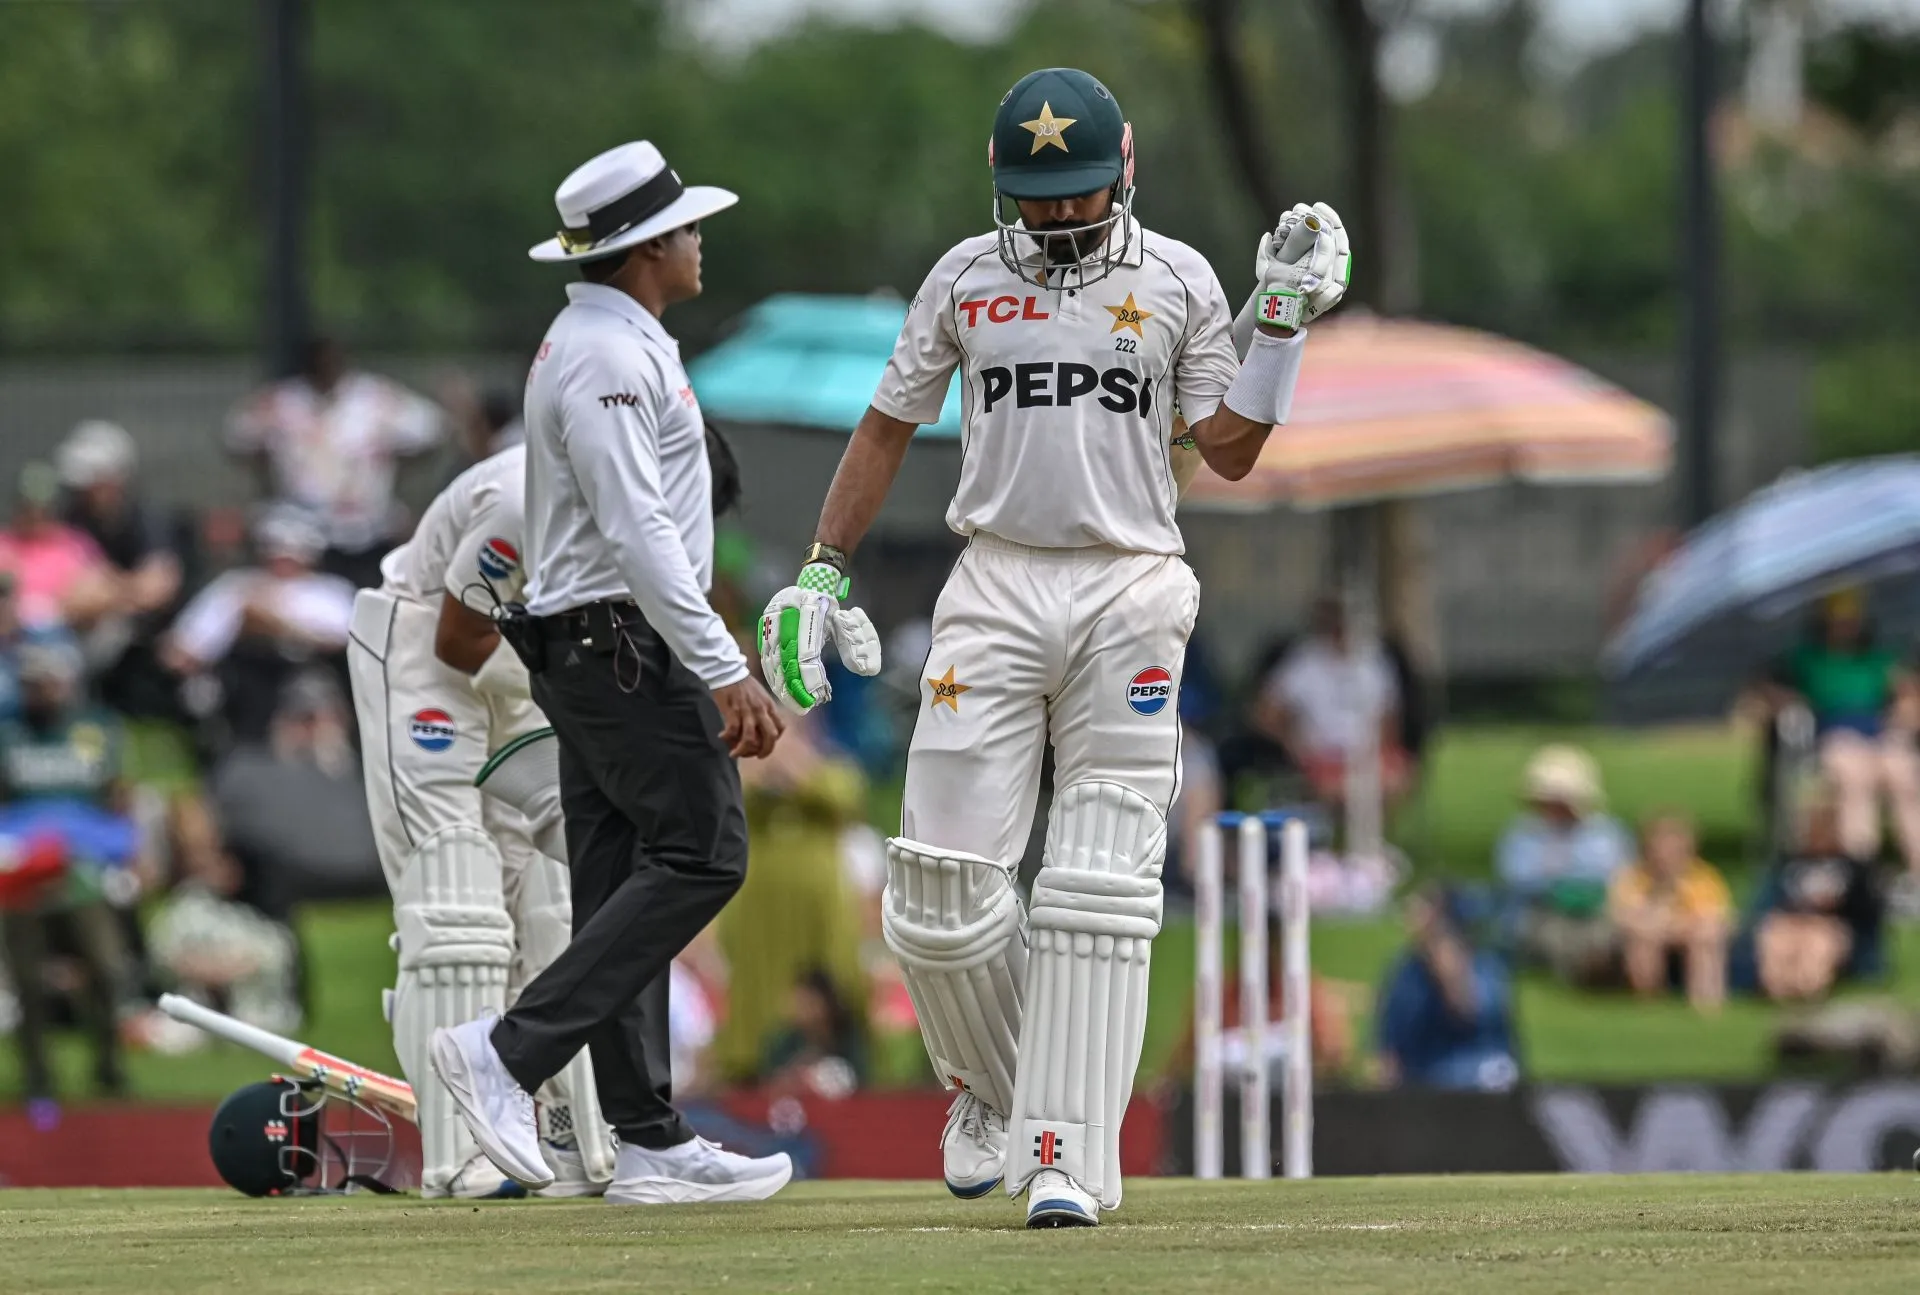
{"points": [[1300, 239]]}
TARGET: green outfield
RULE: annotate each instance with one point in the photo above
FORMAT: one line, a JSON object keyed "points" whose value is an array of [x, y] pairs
{"points": [[1469, 795], [1699, 1234]]}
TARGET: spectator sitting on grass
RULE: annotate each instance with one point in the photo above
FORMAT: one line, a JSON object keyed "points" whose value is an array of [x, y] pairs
{"points": [[254, 628], [1672, 906], [1445, 1014], [60, 781], [212, 946], [822, 1047], [9, 646], [292, 811], [54, 565], [1858, 695], [136, 589], [1820, 912], [1556, 860]]}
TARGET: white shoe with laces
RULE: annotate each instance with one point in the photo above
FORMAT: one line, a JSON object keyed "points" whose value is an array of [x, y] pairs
{"points": [[498, 1112], [974, 1146], [1056, 1201], [695, 1172]]}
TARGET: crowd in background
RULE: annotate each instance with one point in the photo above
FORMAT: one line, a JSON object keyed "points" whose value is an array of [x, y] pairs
{"points": [[179, 770], [1577, 895], [177, 755], [179, 773]]}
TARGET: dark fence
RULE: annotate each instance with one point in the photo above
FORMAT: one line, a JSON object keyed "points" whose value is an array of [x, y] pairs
{"points": [[1858, 1128]]}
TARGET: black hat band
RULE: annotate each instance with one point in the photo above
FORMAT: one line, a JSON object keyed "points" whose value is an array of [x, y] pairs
{"points": [[626, 211]]}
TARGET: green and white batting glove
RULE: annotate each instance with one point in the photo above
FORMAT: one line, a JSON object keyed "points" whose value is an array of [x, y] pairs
{"points": [[796, 625], [1302, 267]]}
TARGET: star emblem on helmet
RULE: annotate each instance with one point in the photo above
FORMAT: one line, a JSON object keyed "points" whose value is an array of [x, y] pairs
{"points": [[1128, 315], [1048, 130], [946, 692]]}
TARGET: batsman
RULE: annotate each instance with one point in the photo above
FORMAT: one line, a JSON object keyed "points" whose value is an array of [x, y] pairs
{"points": [[1079, 335], [480, 889]]}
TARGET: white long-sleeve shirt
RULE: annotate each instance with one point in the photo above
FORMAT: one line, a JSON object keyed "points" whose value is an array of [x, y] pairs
{"points": [[619, 492]]}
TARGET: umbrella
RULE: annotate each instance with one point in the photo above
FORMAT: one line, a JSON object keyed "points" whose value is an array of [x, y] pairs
{"points": [[808, 361], [1854, 523], [1392, 408], [1395, 409]]}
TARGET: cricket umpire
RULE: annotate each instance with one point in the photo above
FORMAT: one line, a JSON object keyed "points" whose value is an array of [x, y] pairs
{"points": [[648, 693]]}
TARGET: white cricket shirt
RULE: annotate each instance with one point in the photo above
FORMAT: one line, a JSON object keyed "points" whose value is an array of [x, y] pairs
{"points": [[619, 493], [1068, 393], [468, 540]]}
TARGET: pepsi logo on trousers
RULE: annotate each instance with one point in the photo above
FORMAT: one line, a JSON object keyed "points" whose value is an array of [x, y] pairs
{"points": [[431, 729], [1149, 691], [498, 559]]}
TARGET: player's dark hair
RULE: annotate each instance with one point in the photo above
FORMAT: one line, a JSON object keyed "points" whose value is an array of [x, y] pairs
{"points": [[726, 471]]}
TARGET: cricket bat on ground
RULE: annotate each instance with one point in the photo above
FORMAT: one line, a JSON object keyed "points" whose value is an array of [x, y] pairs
{"points": [[336, 1074]]}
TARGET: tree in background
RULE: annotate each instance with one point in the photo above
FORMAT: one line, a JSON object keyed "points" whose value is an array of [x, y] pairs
{"points": [[129, 132]]}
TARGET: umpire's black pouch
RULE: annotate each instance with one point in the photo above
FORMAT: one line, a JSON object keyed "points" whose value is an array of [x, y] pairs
{"points": [[522, 633]]}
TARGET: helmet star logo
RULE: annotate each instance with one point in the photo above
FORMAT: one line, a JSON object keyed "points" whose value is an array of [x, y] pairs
{"points": [[1048, 130], [1128, 315], [946, 692]]}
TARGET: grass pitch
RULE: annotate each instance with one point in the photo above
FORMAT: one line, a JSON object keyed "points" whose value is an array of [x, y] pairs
{"points": [[1825, 1234]]}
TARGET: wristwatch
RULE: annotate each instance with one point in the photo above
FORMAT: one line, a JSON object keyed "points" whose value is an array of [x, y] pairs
{"points": [[833, 557]]}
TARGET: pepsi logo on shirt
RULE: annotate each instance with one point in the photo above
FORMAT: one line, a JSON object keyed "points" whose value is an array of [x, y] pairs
{"points": [[498, 559], [431, 729], [1149, 691]]}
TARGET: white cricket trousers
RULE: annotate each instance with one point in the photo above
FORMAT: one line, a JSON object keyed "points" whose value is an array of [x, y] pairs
{"points": [[425, 733], [1080, 647]]}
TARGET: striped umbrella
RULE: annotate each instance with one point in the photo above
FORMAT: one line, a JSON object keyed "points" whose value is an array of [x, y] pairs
{"points": [[1393, 408], [1853, 523]]}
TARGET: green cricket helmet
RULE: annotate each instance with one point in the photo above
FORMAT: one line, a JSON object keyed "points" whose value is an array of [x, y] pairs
{"points": [[1059, 133]]}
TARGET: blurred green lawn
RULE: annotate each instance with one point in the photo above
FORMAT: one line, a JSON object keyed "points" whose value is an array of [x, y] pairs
{"points": [[1469, 795], [1473, 780]]}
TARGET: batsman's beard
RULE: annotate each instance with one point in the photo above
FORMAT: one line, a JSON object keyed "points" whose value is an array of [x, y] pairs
{"points": [[1067, 244]]}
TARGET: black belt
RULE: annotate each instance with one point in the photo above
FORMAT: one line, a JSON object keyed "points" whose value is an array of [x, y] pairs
{"points": [[595, 625]]}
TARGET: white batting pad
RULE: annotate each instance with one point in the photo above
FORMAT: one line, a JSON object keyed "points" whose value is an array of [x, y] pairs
{"points": [[953, 921], [1093, 914], [569, 1102], [525, 774], [455, 942]]}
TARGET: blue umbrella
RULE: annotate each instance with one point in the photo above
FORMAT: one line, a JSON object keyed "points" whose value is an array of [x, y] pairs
{"points": [[808, 361], [1853, 523]]}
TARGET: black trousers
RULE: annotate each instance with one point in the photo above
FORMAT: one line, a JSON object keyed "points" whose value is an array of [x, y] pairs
{"points": [[658, 845]]}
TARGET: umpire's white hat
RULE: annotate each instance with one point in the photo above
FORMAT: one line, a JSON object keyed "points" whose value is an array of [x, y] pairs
{"points": [[625, 196]]}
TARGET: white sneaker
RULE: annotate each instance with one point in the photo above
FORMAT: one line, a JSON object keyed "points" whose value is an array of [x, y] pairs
{"points": [[570, 1177], [1056, 1201], [478, 1180], [498, 1112], [694, 1172], [974, 1144]]}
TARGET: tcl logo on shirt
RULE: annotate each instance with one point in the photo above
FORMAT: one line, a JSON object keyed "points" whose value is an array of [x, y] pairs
{"points": [[1042, 385], [1001, 310]]}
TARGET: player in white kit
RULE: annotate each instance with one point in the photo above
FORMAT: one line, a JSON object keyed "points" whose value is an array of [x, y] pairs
{"points": [[479, 909], [1078, 334]]}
